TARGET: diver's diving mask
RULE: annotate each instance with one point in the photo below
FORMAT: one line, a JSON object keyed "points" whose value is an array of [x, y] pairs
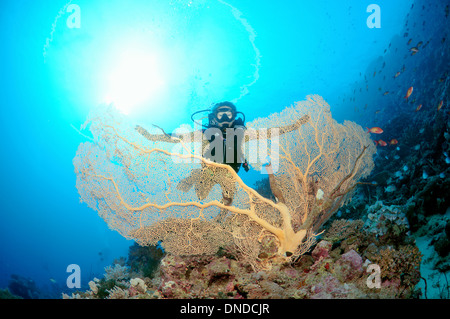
{"points": [[225, 116], [228, 115], [222, 115]]}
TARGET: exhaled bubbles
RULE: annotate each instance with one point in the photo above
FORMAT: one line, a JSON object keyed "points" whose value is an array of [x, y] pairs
{"points": [[252, 37], [49, 40]]}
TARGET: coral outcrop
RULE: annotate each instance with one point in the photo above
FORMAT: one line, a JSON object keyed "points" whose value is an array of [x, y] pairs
{"points": [[337, 267]]}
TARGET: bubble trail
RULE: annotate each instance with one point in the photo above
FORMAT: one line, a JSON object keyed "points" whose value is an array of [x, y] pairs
{"points": [[49, 40], [252, 37]]}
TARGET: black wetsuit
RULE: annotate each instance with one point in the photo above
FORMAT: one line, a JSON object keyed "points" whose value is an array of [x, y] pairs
{"points": [[231, 147]]}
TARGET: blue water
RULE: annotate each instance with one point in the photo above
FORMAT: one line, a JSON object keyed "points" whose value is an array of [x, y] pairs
{"points": [[264, 55]]}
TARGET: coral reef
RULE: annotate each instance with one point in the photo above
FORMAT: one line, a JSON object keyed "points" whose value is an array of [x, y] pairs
{"points": [[144, 260], [23, 287], [6, 294], [337, 267], [386, 221]]}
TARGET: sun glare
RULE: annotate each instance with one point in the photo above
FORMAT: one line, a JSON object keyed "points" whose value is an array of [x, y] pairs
{"points": [[135, 78]]}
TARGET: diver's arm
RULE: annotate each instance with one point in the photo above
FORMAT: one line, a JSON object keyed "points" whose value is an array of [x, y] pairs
{"points": [[289, 128], [281, 130], [168, 138]]}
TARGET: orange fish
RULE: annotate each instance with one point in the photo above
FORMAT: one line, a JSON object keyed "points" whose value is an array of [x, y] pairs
{"points": [[408, 94], [380, 142], [418, 107], [397, 74], [440, 105], [393, 142], [375, 130], [414, 50], [386, 93]]}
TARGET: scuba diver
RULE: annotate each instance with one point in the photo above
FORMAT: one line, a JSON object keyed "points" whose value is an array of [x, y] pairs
{"points": [[222, 120]]}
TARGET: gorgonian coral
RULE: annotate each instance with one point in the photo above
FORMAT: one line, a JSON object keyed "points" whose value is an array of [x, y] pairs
{"points": [[137, 184]]}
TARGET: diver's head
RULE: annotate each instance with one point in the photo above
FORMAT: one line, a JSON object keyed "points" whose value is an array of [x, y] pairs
{"points": [[223, 114]]}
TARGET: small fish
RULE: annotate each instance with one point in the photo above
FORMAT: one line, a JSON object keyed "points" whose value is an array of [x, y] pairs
{"points": [[377, 111], [418, 107], [53, 281], [409, 41], [408, 93], [375, 130], [419, 44], [414, 50], [374, 73], [386, 93], [397, 74], [440, 105], [380, 142], [393, 142], [390, 189]]}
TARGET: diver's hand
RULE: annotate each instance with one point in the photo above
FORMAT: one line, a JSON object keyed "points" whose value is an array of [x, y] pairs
{"points": [[246, 166], [140, 129]]}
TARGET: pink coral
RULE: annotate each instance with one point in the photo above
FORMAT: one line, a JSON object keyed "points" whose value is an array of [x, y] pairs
{"points": [[322, 250], [350, 265]]}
